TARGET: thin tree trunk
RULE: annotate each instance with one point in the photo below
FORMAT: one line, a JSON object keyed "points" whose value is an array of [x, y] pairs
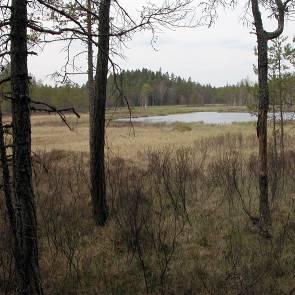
{"points": [[90, 67], [262, 38], [275, 152], [281, 118], [97, 153], [27, 265], [264, 210]]}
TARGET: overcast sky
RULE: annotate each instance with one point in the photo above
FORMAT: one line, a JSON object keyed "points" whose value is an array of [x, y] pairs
{"points": [[218, 55]]}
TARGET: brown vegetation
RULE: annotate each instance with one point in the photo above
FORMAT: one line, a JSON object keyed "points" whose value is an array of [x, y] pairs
{"points": [[49, 133], [178, 223]]}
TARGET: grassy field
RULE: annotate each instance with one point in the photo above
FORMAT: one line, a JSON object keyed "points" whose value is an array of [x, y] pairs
{"points": [[178, 196], [122, 139]]}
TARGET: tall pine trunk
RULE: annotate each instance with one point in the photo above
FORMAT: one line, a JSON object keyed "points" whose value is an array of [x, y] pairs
{"points": [[27, 265], [264, 210], [280, 9], [97, 144], [262, 39]]}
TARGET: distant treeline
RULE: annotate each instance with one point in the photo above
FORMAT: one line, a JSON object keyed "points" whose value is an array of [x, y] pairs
{"points": [[145, 88]]}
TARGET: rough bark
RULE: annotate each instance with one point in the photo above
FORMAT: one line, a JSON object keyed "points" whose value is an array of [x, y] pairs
{"points": [[90, 82], [264, 210], [262, 38], [97, 152], [27, 265]]}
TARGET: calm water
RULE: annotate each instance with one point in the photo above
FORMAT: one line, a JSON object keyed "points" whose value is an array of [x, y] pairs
{"points": [[205, 117]]}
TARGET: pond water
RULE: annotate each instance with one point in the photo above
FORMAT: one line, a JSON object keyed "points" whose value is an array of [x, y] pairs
{"points": [[205, 117]]}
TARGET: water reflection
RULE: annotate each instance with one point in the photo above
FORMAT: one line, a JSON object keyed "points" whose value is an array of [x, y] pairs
{"points": [[205, 117]]}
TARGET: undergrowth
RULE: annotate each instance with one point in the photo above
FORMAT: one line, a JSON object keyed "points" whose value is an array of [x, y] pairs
{"points": [[178, 223]]}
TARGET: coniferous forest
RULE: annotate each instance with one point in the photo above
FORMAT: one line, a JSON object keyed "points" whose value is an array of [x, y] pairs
{"points": [[148, 88], [145, 87]]}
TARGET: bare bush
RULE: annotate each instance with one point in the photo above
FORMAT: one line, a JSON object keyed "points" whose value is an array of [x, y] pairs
{"points": [[150, 212], [179, 224]]}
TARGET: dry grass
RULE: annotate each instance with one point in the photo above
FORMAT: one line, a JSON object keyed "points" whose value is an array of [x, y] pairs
{"points": [[177, 224], [217, 250], [123, 140]]}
